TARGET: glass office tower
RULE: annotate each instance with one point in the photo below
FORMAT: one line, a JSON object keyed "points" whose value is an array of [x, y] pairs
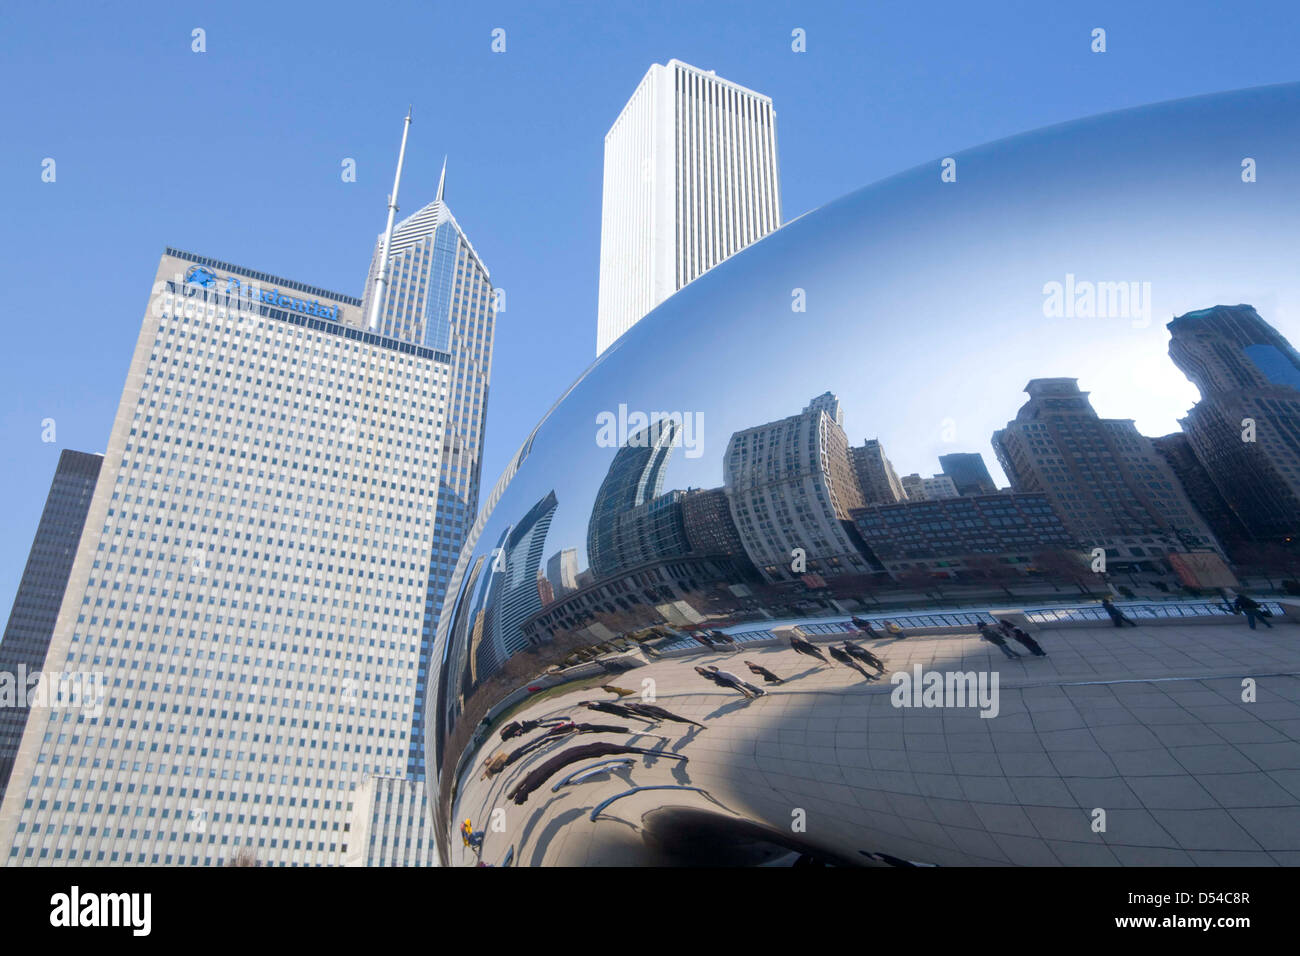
{"points": [[40, 592]]}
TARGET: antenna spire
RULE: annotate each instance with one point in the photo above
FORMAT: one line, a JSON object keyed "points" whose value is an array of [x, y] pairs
{"points": [[381, 279], [442, 180]]}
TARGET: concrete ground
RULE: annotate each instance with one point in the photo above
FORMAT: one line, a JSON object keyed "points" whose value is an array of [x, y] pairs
{"points": [[1147, 725]]}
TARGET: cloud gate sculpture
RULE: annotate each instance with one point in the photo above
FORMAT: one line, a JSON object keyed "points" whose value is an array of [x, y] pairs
{"points": [[808, 567]]}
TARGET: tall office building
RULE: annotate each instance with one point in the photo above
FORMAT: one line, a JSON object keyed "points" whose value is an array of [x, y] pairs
{"points": [[520, 559], [969, 474], [928, 489], [387, 825], [876, 476], [1202, 491], [562, 571], [707, 522], [651, 531], [1107, 482], [791, 486], [40, 593], [690, 178], [251, 581], [1246, 428], [635, 477], [439, 295]]}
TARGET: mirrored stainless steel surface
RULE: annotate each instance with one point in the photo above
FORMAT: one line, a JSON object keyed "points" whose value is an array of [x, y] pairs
{"points": [[780, 459]]}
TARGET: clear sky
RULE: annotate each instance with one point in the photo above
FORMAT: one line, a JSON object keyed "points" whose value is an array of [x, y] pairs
{"points": [[236, 152]]}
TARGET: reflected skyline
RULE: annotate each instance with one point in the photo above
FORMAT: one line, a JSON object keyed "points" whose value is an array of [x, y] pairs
{"points": [[924, 394]]}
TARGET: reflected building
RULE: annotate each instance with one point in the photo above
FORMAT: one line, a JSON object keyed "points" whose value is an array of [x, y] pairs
{"points": [[928, 489], [1176, 449], [970, 535], [709, 527], [651, 531], [1093, 716], [877, 480], [635, 477], [1245, 430], [969, 474], [1107, 482], [562, 571], [791, 488], [519, 560], [683, 592]]}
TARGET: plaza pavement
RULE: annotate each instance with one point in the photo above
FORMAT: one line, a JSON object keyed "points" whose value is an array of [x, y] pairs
{"points": [[1147, 724]]}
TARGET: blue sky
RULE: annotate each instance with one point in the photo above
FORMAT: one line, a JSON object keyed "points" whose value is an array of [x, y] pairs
{"points": [[235, 153]]}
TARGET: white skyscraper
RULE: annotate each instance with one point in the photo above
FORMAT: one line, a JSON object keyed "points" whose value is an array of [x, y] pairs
{"points": [[249, 589], [690, 179]]}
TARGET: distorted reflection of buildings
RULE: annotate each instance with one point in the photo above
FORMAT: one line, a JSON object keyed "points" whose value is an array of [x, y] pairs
{"points": [[970, 535], [1078, 482], [969, 474], [519, 561], [562, 571], [706, 517], [634, 478], [928, 489], [648, 532], [506, 589], [1110, 486], [792, 487], [681, 591], [1245, 429], [1205, 496], [877, 480]]}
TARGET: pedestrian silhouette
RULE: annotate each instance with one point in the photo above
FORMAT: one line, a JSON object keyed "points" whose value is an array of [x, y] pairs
{"points": [[723, 638], [864, 655], [703, 639], [865, 626], [517, 728], [658, 713], [1116, 615], [1252, 609], [538, 775], [618, 710], [844, 658], [806, 647], [1022, 637], [729, 680], [995, 637], [763, 672]]}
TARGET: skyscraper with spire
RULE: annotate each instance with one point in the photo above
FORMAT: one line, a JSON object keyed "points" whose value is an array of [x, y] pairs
{"points": [[436, 292]]}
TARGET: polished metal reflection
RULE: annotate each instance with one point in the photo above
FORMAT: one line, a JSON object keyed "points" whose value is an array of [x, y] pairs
{"points": [[716, 613]]}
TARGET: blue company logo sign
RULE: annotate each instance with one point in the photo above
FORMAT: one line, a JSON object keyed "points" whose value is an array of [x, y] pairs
{"points": [[200, 275], [205, 278]]}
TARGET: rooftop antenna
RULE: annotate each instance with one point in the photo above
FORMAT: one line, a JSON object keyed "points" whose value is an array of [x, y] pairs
{"points": [[442, 180], [381, 280]]}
